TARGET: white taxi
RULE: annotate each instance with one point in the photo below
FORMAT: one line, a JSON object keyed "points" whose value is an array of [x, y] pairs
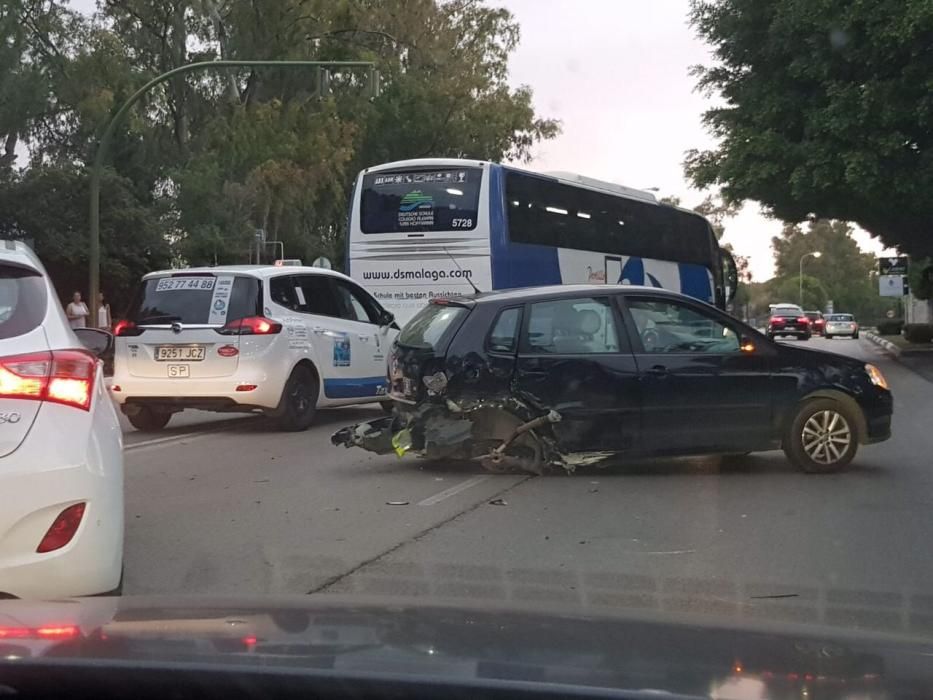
{"points": [[283, 340]]}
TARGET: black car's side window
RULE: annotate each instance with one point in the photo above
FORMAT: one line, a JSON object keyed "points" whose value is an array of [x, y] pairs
{"points": [[571, 327], [666, 326], [504, 334]]}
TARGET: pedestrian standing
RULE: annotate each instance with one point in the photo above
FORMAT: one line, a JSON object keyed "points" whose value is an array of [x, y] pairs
{"points": [[104, 319], [77, 312]]}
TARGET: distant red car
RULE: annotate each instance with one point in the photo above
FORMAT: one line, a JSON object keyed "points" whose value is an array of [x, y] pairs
{"points": [[817, 322]]}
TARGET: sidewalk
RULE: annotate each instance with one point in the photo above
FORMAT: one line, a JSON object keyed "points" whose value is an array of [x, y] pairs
{"points": [[919, 359]]}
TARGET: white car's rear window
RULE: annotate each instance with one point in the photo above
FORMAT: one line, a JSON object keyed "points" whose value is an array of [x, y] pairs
{"points": [[23, 300]]}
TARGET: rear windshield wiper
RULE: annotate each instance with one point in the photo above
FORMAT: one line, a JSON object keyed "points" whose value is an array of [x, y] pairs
{"points": [[155, 318]]}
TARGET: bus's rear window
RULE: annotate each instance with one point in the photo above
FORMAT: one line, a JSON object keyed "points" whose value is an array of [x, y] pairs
{"points": [[195, 299], [420, 200]]}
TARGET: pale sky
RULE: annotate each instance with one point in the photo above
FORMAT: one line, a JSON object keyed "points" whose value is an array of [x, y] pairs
{"points": [[615, 72]]}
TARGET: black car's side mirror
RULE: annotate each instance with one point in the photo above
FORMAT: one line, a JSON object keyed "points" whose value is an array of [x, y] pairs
{"points": [[746, 344], [96, 340]]}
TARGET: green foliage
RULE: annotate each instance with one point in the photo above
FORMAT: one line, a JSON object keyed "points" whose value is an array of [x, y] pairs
{"points": [[203, 161], [825, 109], [843, 273], [918, 332], [892, 326]]}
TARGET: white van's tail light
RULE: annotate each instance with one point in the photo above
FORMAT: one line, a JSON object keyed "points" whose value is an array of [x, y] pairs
{"points": [[126, 328], [62, 376], [252, 325], [63, 529]]}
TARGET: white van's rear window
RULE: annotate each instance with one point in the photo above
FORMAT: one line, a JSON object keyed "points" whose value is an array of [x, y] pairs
{"points": [[196, 299]]}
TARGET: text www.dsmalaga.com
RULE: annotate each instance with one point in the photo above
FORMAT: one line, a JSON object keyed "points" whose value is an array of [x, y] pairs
{"points": [[422, 274]]}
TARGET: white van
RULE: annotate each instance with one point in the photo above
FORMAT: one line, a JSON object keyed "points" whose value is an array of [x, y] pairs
{"points": [[284, 340]]}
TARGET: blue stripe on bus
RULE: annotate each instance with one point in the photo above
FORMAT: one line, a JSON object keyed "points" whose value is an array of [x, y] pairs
{"points": [[694, 282], [531, 266], [355, 388], [498, 227]]}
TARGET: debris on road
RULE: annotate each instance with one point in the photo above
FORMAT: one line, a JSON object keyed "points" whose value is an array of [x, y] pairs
{"points": [[397, 503], [498, 502]]}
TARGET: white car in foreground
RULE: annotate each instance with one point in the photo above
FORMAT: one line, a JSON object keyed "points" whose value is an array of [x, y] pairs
{"points": [[281, 340], [61, 449]]}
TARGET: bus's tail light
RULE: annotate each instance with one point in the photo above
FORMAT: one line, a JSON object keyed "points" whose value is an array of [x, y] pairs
{"points": [[252, 325], [62, 376]]}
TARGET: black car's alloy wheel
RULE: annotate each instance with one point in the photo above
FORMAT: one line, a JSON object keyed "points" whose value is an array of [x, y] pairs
{"points": [[822, 437]]}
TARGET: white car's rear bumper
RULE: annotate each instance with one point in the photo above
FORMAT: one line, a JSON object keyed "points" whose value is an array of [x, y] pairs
{"points": [[61, 463], [217, 393]]}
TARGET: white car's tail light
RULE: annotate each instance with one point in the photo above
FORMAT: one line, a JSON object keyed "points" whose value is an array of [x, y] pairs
{"points": [[61, 376], [63, 529], [252, 325]]}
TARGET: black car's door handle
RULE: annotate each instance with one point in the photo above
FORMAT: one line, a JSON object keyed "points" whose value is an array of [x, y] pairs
{"points": [[657, 371]]}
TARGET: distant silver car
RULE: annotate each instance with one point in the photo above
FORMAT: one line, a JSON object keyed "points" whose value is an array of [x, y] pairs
{"points": [[840, 324]]}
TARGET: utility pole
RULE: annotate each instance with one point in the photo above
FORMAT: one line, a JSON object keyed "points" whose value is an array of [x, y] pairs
{"points": [[815, 254], [324, 74]]}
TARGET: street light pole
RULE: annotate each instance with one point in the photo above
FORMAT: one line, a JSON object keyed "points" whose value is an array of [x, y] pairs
{"points": [[815, 254], [104, 143]]}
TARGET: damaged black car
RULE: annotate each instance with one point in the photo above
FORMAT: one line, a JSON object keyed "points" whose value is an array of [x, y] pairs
{"points": [[553, 378]]}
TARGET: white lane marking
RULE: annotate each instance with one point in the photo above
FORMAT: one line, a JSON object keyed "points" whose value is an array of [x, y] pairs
{"points": [[163, 440], [453, 490]]}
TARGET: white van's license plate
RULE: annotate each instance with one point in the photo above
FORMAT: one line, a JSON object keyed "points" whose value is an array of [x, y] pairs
{"points": [[178, 371], [183, 353]]}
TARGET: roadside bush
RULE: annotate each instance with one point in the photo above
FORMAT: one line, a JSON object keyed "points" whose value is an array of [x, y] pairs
{"points": [[918, 332], [891, 326]]}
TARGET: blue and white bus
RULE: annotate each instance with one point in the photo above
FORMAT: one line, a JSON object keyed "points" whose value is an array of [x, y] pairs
{"points": [[431, 227]]}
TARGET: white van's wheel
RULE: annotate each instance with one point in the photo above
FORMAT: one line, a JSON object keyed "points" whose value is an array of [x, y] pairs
{"points": [[149, 419], [298, 404]]}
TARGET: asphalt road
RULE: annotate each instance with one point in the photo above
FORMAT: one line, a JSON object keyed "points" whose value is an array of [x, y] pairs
{"points": [[232, 507]]}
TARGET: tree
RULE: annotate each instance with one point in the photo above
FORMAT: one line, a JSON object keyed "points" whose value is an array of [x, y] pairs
{"points": [[843, 273], [204, 161], [825, 109]]}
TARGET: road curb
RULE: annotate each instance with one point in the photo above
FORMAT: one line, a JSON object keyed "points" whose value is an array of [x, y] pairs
{"points": [[886, 344]]}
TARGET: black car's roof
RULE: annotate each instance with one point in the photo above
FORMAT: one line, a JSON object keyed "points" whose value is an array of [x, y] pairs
{"points": [[557, 290]]}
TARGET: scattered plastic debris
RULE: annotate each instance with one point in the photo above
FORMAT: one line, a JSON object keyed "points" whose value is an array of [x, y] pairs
{"points": [[396, 503], [498, 502]]}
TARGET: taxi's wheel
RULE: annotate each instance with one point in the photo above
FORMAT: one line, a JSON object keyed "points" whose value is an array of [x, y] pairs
{"points": [[822, 437], [149, 419], [299, 401]]}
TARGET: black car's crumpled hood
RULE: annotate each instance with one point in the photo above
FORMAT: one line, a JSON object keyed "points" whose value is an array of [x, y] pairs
{"points": [[465, 645]]}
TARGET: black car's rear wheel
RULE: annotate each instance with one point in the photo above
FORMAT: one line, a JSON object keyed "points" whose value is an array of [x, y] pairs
{"points": [[822, 437], [149, 419]]}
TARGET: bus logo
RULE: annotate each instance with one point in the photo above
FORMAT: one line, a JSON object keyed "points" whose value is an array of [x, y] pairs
{"points": [[416, 200]]}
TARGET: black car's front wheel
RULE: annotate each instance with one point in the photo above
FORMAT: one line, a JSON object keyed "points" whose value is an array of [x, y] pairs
{"points": [[822, 437]]}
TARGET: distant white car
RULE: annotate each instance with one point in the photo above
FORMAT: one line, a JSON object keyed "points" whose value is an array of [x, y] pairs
{"points": [[61, 449], [285, 340], [840, 324]]}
